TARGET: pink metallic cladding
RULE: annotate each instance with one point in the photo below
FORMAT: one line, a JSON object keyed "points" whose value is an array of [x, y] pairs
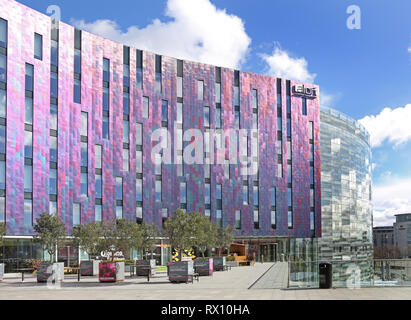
{"points": [[23, 22]]}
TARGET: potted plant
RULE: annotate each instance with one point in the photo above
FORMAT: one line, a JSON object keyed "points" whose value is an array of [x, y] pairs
{"points": [[149, 235], [88, 238], [50, 232], [118, 236], [3, 231], [181, 231]]}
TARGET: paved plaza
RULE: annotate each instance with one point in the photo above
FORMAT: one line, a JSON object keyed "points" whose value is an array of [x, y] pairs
{"points": [[242, 283]]}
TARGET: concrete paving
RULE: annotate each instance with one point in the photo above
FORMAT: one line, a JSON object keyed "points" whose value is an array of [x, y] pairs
{"points": [[275, 278], [227, 285]]}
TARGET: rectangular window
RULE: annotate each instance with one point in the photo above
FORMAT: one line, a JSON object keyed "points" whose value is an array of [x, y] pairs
{"points": [[207, 212], [179, 87], [255, 192], [218, 92], [54, 53], [3, 103], [139, 213], [106, 70], [255, 121], [311, 152], [77, 61], [180, 166], [139, 190], [289, 151], [3, 33], [273, 196], [207, 169], [139, 74], [28, 213], [77, 91], [200, 85], [2, 175], [53, 149], [28, 144], [219, 195], [98, 157], [164, 110], [219, 218], [126, 103], [98, 213], [227, 169], [290, 197], [158, 191], [99, 186], [2, 139], [157, 164], [2, 209], [126, 159], [139, 134], [158, 74], [279, 100], [207, 194], [245, 194], [311, 130], [304, 107], [312, 202], [38, 46], [273, 218], [106, 98], [206, 117], [238, 219], [126, 131], [84, 154], [105, 127], [279, 147], [53, 208], [84, 184], [255, 99], [29, 77], [237, 119], [256, 219], [76, 214], [290, 219], [28, 112], [145, 107], [179, 112], [279, 170], [164, 213], [54, 85], [3, 68], [119, 188], [84, 124], [312, 220], [288, 127], [288, 105], [183, 193], [279, 124], [311, 175], [28, 178], [139, 161], [53, 182], [218, 118], [236, 96], [289, 174]]}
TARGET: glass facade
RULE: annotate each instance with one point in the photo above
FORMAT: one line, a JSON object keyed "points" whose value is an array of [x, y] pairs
{"points": [[345, 196]]}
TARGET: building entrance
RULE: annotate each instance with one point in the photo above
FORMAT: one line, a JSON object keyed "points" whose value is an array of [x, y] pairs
{"points": [[268, 252]]}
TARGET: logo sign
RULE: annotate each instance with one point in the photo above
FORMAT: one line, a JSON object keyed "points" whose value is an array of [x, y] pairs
{"points": [[301, 90]]}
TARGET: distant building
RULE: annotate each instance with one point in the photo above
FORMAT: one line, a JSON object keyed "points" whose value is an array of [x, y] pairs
{"points": [[402, 234], [384, 246]]}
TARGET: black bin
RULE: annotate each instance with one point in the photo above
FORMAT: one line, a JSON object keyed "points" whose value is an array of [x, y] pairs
{"points": [[326, 275]]}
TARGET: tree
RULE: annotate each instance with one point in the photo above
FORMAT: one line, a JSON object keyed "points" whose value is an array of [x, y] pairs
{"points": [[50, 232], [225, 237], [88, 237], [180, 231], [119, 235], [149, 233], [206, 234]]}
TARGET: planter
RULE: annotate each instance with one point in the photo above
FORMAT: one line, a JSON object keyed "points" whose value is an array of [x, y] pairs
{"points": [[1, 271], [204, 267], [232, 263], [50, 271], [146, 267], [219, 263], [111, 272], [89, 268], [181, 271]]}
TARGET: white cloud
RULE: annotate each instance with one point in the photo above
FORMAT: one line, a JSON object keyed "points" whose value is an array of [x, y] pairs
{"points": [[390, 197], [392, 125], [282, 64], [198, 31], [409, 49]]}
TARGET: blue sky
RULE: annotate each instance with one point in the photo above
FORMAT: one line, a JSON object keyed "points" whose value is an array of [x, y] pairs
{"points": [[360, 72]]}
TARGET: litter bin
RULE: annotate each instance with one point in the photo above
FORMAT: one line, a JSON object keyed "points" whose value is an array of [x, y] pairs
{"points": [[326, 275]]}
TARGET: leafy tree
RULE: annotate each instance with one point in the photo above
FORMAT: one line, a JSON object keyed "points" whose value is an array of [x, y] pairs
{"points": [[119, 235], [180, 231], [224, 237], [149, 233], [88, 237], [50, 232], [206, 234], [3, 231]]}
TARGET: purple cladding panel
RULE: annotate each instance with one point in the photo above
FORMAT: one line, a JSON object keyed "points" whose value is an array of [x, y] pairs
{"points": [[23, 22]]}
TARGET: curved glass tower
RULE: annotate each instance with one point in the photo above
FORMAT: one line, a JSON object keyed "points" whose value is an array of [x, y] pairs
{"points": [[346, 198]]}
